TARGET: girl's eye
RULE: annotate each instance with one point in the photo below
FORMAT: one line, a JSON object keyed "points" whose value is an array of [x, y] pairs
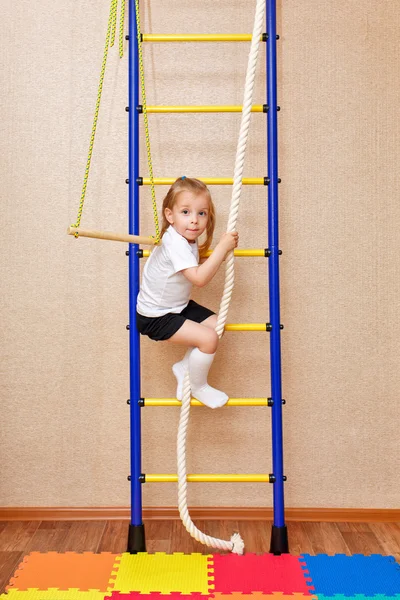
{"points": [[185, 212], [202, 213]]}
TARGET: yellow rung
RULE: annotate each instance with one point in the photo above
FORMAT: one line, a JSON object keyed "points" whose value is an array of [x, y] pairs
{"points": [[193, 402], [211, 478], [207, 180], [201, 109], [198, 37], [246, 327], [238, 253]]}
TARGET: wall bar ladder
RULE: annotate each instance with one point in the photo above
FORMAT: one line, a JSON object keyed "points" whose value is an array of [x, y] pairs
{"points": [[136, 538]]}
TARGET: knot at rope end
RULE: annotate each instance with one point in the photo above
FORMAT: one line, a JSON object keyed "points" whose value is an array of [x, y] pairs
{"points": [[237, 544], [71, 231], [157, 240]]}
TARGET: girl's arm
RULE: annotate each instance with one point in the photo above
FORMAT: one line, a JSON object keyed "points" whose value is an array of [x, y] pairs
{"points": [[203, 274]]}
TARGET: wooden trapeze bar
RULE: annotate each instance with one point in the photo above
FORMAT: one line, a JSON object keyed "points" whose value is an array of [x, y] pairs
{"points": [[115, 237]]}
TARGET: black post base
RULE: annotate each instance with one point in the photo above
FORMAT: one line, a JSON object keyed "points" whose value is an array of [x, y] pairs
{"points": [[279, 540], [136, 539]]}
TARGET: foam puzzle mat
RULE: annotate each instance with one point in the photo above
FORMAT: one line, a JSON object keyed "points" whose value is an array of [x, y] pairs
{"points": [[143, 576]]}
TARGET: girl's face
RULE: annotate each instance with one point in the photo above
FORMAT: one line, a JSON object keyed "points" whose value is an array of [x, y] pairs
{"points": [[189, 215]]}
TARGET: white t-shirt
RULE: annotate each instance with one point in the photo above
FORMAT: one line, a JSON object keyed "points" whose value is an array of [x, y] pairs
{"points": [[164, 289]]}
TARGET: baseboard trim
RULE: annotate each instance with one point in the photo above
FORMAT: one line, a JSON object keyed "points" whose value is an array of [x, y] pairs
{"points": [[235, 513]]}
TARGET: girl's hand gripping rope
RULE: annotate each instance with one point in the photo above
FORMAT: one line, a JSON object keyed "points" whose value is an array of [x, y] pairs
{"points": [[229, 241]]}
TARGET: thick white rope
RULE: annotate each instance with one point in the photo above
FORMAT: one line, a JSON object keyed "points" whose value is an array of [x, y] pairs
{"points": [[235, 544]]}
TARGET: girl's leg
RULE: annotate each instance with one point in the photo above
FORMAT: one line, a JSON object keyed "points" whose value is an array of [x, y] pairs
{"points": [[204, 339], [180, 369], [196, 334], [210, 322], [191, 337]]}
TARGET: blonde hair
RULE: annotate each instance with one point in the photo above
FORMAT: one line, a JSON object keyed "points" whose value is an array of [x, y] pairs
{"points": [[196, 187]]}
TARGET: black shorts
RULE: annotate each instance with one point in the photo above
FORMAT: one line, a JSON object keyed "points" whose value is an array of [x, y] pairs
{"points": [[162, 328]]}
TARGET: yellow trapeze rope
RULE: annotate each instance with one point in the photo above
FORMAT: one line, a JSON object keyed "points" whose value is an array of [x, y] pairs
{"points": [[110, 39], [121, 29], [146, 122], [111, 26]]}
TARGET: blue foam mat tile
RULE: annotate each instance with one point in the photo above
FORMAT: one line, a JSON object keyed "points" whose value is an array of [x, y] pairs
{"points": [[353, 575]]}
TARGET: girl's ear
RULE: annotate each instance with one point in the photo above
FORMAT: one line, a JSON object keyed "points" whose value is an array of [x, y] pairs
{"points": [[168, 215]]}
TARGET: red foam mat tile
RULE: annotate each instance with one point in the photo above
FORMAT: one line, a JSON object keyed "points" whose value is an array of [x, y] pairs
{"points": [[264, 573]]}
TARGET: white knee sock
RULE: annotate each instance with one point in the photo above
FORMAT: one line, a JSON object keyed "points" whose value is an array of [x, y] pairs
{"points": [[179, 369], [199, 366]]}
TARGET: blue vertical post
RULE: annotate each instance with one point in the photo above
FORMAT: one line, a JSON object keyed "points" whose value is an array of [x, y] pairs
{"points": [[136, 537], [279, 539]]}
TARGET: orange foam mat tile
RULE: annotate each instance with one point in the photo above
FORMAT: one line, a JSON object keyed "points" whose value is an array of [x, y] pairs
{"points": [[84, 572], [53, 594]]}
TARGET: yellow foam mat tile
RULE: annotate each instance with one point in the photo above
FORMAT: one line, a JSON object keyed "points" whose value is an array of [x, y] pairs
{"points": [[163, 573], [53, 594]]}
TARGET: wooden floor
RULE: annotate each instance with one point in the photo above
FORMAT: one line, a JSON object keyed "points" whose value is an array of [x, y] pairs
{"points": [[18, 538]]}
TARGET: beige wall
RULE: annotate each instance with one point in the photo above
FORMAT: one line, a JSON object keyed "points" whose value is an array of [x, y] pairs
{"points": [[64, 419]]}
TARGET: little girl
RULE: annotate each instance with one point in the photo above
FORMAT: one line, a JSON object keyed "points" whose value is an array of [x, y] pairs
{"points": [[164, 310]]}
